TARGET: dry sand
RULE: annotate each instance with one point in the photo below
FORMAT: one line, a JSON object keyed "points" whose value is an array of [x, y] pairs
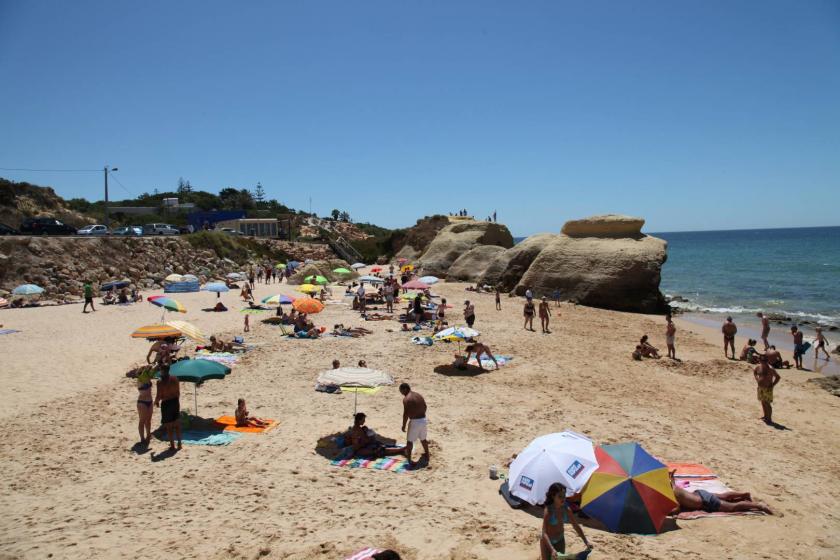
{"points": [[73, 488]]}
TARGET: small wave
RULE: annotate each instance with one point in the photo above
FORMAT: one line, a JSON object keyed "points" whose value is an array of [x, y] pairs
{"points": [[738, 310]]}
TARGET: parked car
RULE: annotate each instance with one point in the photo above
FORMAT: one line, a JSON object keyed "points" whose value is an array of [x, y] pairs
{"points": [[129, 231], [6, 230], [159, 229], [230, 231], [46, 226], [185, 229], [93, 229]]}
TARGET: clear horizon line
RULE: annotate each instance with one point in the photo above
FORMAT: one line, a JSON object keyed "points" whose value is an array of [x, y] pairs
{"points": [[712, 230]]}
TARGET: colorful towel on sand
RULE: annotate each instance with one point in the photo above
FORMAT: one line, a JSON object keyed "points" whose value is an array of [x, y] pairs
{"points": [[227, 358], [487, 363], [254, 311], [422, 340], [694, 476], [8, 331], [228, 424], [393, 464], [360, 390], [197, 437], [364, 554]]}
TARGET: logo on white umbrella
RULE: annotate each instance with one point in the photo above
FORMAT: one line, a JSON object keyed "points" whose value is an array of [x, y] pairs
{"points": [[526, 483], [575, 469]]}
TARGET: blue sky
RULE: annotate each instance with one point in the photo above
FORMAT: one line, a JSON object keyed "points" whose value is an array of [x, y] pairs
{"points": [[694, 115]]}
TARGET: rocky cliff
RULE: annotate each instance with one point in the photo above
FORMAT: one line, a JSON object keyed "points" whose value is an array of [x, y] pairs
{"points": [[456, 239]]}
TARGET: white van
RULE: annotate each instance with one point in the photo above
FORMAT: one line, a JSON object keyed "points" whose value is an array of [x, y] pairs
{"points": [[159, 229]]}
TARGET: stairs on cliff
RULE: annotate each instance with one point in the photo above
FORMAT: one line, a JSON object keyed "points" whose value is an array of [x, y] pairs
{"points": [[344, 249]]}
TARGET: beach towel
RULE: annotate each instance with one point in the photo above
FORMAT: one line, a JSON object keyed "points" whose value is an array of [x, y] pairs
{"points": [[694, 476], [364, 554], [689, 470], [8, 331], [487, 363], [393, 464], [227, 358], [228, 424], [422, 340], [360, 390], [197, 437]]}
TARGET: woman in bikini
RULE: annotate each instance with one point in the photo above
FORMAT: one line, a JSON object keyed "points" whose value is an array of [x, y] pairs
{"points": [[144, 404], [553, 540]]}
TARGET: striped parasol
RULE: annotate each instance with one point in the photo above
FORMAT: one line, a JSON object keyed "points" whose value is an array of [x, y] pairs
{"points": [[167, 303], [278, 299], [156, 331], [189, 330]]}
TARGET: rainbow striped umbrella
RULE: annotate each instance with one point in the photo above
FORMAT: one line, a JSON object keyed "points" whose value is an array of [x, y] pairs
{"points": [[630, 492], [167, 303], [189, 330], [279, 299], [156, 331]]}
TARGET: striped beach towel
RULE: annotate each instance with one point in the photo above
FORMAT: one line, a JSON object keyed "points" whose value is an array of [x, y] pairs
{"points": [[364, 554], [226, 358], [393, 464]]}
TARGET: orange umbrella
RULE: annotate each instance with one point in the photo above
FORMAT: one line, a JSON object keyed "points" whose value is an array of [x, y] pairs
{"points": [[308, 305], [156, 331]]}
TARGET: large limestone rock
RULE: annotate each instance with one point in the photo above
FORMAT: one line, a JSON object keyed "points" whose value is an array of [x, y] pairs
{"points": [[507, 268], [614, 266], [456, 239], [470, 266]]}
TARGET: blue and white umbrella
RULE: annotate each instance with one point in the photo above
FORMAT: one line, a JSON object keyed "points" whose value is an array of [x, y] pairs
{"points": [[27, 290], [456, 333], [430, 279], [218, 287], [371, 279], [115, 284], [357, 266]]}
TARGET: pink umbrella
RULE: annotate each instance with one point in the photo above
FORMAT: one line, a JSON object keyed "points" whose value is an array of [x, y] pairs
{"points": [[416, 285]]}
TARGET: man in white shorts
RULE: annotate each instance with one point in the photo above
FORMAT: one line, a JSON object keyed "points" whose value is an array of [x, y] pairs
{"points": [[414, 414]]}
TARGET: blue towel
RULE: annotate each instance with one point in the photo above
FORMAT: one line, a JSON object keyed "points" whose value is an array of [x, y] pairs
{"points": [[8, 331], [197, 437]]}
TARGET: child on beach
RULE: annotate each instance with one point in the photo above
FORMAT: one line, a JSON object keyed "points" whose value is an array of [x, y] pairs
{"points": [[822, 342], [766, 378], [247, 324], [553, 540], [670, 337], [243, 419], [748, 353]]}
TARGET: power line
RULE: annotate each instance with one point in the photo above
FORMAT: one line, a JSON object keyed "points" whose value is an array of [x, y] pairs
{"points": [[50, 170], [114, 177]]}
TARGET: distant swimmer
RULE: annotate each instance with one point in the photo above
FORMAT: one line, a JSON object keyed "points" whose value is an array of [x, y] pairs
{"points": [[729, 330]]}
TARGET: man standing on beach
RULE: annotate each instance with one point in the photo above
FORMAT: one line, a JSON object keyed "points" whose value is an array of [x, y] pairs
{"points": [[360, 293], [414, 414], [729, 329], [469, 313], [167, 398], [88, 297], [799, 347], [765, 329], [670, 337], [498, 298], [388, 290], [766, 377]]}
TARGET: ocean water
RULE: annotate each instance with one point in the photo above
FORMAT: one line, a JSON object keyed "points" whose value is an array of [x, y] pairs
{"points": [[790, 272]]}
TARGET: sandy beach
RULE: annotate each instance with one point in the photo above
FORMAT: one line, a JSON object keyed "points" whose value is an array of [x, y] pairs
{"points": [[73, 487]]}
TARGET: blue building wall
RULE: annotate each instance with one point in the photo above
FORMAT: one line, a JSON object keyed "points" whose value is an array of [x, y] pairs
{"points": [[197, 219]]}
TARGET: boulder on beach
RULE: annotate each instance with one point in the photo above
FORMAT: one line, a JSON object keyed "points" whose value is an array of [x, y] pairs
{"points": [[456, 239], [606, 269], [507, 268], [470, 266]]}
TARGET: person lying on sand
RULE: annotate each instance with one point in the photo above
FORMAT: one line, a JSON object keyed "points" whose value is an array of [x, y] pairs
{"points": [[748, 353], [479, 349], [364, 442], [701, 500], [219, 306], [648, 350], [220, 345], [245, 420]]}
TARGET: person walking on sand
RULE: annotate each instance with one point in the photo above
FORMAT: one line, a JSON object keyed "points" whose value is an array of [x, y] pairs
{"points": [[766, 378], [144, 405], [729, 329], [529, 312], [765, 329], [545, 314], [553, 539], [360, 293], [247, 324], [469, 313], [555, 296], [670, 337], [88, 297], [822, 342], [498, 299], [168, 399], [414, 414], [799, 346]]}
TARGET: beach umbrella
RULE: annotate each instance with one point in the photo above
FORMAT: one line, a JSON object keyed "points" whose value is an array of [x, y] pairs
{"points": [[198, 371], [356, 266], [189, 330], [456, 333], [630, 492], [308, 288], [430, 279], [189, 278], [371, 279], [354, 378], [402, 260], [316, 279], [167, 303], [28, 290], [278, 266], [376, 269], [342, 271], [416, 285], [218, 287], [407, 268], [308, 305], [278, 299], [174, 278], [565, 457], [115, 285], [234, 276], [156, 331]]}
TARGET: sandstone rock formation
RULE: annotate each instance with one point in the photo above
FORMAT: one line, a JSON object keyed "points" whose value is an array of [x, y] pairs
{"points": [[508, 267], [606, 263], [321, 268], [470, 266], [456, 239]]}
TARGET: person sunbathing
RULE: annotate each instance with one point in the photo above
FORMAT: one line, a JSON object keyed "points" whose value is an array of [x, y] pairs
{"points": [[648, 350], [245, 420], [710, 502], [219, 306], [480, 349], [364, 443], [748, 353]]}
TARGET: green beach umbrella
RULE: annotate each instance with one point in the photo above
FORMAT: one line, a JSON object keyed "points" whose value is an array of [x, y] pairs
{"points": [[197, 372], [342, 271], [313, 279]]}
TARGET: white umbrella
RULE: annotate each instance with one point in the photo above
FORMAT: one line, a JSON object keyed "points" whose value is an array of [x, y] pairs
{"points": [[371, 279], [355, 377], [430, 279], [565, 457], [357, 265], [459, 333], [174, 278]]}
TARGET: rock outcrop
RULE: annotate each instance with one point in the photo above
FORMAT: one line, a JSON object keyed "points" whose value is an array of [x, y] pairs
{"points": [[605, 263], [470, 266], [456, 239], [508, 267], [322, 268]]}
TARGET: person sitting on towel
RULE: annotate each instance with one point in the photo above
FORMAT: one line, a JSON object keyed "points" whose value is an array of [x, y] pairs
{"points": [[123, 297], [648, 350], [707, 501], [245, 420], [364, 442], [749, 353], [109, 298], [480, 349]]}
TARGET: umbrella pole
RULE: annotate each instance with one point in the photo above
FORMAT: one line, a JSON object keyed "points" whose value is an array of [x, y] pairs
{"points": [[355, 401], [195, 398]]}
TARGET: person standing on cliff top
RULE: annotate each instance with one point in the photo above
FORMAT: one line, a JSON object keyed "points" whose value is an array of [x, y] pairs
{"points": [[729, 330], [88, 297], [765, 329]]}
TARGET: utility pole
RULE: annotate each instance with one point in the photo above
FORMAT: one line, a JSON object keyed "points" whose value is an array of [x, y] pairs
{"points": [[107, 216]]}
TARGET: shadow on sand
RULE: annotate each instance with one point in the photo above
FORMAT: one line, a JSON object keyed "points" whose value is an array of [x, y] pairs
{"points": [[464, 371]]}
